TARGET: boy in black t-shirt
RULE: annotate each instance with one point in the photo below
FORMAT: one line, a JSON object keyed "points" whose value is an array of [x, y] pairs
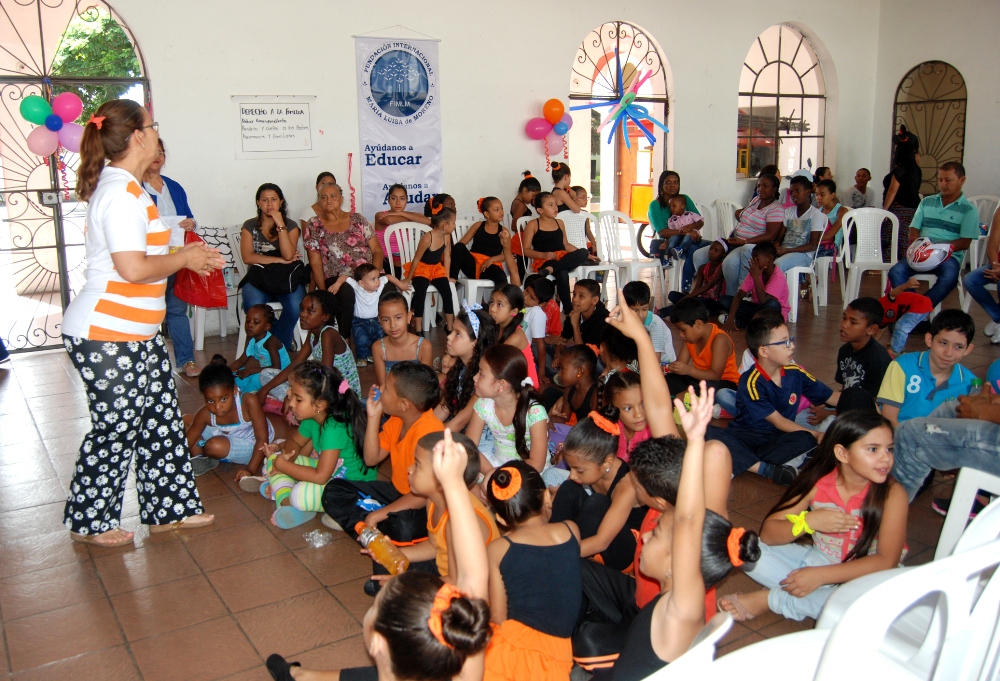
{"points": [[861, 362], [586, 322]]}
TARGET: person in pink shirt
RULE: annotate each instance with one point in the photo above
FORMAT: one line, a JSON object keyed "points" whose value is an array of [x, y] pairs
{"points": [[623, 397], [765, 287]]}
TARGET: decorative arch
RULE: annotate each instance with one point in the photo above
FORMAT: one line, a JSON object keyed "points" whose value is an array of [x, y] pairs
{"points": [[50, 47], [931, 102], [613, 169], [782, 104]]}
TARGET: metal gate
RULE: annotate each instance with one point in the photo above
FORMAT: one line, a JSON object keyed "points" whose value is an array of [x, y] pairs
{"points": [[46, 48]]}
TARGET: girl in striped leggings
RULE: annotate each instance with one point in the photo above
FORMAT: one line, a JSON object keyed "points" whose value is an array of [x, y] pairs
{"points": [[328, 444]]}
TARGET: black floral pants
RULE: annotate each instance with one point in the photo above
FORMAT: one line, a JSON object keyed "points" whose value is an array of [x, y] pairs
{"points": [[134, 415]]}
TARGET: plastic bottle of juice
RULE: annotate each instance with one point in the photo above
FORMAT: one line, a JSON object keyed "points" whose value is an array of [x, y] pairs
{"points": [[382, 549], [976, 387]]}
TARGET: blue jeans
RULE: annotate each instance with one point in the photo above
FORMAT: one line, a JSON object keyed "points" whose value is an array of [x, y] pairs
{"points": [[943, 442], [904, 325], [365, 332], [688, 248], [284, 328], [736, 267], [178, 326], [775, 563], [946, 272], [975, 284], [791, 260]]}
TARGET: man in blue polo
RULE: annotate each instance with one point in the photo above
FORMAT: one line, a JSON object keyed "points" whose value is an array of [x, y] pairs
{"points": [[944, 218]]}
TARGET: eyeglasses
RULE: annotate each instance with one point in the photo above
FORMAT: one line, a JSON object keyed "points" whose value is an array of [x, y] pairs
{"points": [[154, 125], [787, 343]]}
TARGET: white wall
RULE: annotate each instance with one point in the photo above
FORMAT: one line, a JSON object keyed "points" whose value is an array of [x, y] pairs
{"points": [[964, 34], [499, 62]]}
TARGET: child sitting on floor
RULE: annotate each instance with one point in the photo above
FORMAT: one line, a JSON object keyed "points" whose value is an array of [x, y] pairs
{"points": [[534, 580], [850, 539], [764, 438], [618, 352], [904, 309], [230, 427], [507, 310], [586, 321], [708, 354], [262, 351], [709, 283], [473, 334], [623, 395], [365, 329], [332, 423], [398, 344], [766, 285], [638, 297]]}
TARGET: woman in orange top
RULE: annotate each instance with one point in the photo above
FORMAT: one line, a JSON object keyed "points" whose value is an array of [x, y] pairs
{"points": [[112, 333], [708, 353]]}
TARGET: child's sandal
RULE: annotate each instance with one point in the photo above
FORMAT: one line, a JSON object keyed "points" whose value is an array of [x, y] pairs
{"points": [[190, 523], [742, 614]]}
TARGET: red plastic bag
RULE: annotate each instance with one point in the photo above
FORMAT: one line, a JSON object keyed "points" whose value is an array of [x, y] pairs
{"points": [[194, 289]]}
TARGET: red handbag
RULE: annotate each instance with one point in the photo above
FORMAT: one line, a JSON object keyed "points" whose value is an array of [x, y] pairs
{"points": [[197, 290]]}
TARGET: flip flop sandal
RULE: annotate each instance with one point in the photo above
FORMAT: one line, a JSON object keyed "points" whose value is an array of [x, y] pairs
{"points": [[742, 614], [126, 538], [189, 523], [280, 669], [251, 483]]}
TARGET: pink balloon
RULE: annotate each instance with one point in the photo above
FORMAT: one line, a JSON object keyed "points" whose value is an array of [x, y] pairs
{"points": [[42, 141], [537, 128], [568, 120], [67, 106], [69, 137], [555, 142]]}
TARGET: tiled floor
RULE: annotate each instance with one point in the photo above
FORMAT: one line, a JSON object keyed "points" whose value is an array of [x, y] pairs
{"points": [[213, 603]]}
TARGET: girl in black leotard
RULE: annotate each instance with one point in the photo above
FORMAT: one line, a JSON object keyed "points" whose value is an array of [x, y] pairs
{"points": [[545, 241], [608, 516], [430, 266], [561, 181], [485, 248]]}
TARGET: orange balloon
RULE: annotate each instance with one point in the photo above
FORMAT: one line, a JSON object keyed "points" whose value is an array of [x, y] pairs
{"points": [[553, 111]]}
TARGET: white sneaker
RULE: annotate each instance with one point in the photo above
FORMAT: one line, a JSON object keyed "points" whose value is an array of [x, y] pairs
{"points": [[331, 523], [991, 329], [723, 318], [995, 338]]}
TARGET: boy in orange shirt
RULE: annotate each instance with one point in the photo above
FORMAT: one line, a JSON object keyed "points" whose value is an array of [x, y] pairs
{"points": [[708, 353]]}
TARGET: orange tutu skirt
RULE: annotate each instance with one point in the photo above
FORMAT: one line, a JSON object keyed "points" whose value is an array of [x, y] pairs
{"points": [[537, 265], [517, 652], [480, 259], [427, 271]]}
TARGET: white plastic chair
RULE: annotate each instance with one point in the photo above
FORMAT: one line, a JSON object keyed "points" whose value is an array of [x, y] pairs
{"points": [[626, 262], [726, 210], [792, 657], [708, 232], [969, 481], [473, 289], [700, 653], [407, 234], [576, 233], [792, 279], [868, 253]]}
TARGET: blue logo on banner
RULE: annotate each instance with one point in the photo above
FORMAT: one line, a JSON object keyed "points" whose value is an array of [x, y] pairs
{"points": [[399, 83]]}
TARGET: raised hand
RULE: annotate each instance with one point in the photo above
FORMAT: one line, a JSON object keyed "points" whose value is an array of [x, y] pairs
{"points": [[696, 420], [449, 461], [625, 320]]}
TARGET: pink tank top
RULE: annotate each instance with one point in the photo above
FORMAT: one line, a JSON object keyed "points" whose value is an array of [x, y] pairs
{"points": [[838, 545], [625, 447]]}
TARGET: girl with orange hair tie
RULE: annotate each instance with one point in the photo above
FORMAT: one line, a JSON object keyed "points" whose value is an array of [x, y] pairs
{"points": [[430, 266], [484, 250], [608, 516], [535, 586]]}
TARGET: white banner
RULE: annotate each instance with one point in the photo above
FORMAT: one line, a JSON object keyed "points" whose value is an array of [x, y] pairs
{"points": [[399, 119]]}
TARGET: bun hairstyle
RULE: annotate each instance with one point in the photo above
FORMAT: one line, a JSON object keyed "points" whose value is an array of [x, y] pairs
{"points": [[846, 429], [459, 385], [405, 612], [516, 493], [559, 171], [216, 375], [582, 356], [105, 138], [724, 547], [442, 216], [342, 403], [483, 204], [540, 199], [529, 183], [281, 196], [435, 204], [619, 381], [267, 311], [510, 365], [326, 300], [590, 441], [515, 297]]}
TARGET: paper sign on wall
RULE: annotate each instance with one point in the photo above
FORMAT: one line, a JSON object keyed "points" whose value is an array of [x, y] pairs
{"points": [[399, 120], [275, 127]]}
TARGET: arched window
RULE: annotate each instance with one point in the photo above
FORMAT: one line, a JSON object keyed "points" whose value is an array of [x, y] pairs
{"points": [[782, 107], [50, 47], [930, 102], [614, 168]]}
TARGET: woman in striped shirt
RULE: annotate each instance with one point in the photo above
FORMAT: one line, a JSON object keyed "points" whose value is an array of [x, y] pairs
{"points": [[112, 333]]}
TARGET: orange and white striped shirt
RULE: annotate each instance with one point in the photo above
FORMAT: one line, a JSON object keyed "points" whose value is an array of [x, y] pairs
{"points": [[120, 217]]}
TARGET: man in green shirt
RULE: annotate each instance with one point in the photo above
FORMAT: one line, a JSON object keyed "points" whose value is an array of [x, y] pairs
{"points": [[944, 218]]}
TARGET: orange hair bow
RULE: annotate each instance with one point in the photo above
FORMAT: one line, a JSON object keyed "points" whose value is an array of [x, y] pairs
{"points": [[556, 165], [527, 175], [593, 348], [442, 601], [512, 488], [97, 120], [604, 424], [733, 545], [479, 204], [435, 207]]}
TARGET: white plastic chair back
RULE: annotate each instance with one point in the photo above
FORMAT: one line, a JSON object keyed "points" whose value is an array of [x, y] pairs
{"points": [[519, 232], [610, 238], [868, 223], [957, 642], [726, 210], [234, 234], [700, 654], [953, 537], [576, 226], [462, 226], [406, 234], [987, 206], [708, 231]]}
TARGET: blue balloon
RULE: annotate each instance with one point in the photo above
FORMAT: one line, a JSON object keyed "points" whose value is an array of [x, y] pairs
{"points": [[53, 122], [560, 128]]}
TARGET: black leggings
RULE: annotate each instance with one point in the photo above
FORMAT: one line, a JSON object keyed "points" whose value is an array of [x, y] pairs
{"points": [[420, 285], [587, 510], [561, 269], [462, 263]]}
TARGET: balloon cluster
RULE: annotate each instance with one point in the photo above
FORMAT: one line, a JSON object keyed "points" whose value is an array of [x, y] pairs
{"points": [[551, 128], [54, 121]]}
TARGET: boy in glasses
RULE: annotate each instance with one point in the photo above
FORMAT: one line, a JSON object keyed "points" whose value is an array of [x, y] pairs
{"points": [[764, 438]]}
